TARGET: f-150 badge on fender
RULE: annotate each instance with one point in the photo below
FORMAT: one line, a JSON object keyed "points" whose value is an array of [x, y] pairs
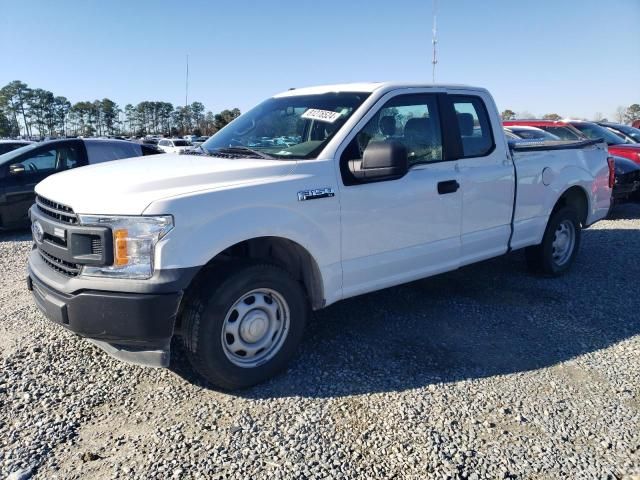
{"points": [[315, 193]]}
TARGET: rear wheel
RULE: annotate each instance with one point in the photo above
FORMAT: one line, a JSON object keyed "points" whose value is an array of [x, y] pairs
{"points": [[559, 246], [243, 327]]}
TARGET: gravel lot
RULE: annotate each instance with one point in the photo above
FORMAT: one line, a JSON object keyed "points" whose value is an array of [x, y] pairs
{"points": [[486, 372]]}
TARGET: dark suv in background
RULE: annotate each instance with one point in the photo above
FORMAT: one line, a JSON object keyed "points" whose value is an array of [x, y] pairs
{"points": [[623, 130], [21, 169]]}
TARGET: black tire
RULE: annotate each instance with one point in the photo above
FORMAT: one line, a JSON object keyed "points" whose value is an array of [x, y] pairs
{"points": [[204, 315], [540, 258]]}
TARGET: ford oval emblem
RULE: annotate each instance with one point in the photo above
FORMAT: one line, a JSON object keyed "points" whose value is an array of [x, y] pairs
{"points": [[38, 231]]}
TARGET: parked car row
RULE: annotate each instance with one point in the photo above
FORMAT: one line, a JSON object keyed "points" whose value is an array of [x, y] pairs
{"points": [[24, 163], [630, 134], [577, 129], [622, 142]]}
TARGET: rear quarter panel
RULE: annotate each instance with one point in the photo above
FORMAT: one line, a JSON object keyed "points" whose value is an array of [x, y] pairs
{"points": [[543, 176]]}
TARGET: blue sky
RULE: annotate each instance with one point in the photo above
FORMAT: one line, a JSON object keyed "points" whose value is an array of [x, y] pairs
{"points": [[572, 57]]}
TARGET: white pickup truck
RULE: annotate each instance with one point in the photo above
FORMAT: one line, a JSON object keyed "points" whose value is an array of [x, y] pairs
{"points": [[313, 196]]}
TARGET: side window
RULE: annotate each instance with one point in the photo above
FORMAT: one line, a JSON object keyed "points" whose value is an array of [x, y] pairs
{"points": [[55, 159], [474, 125], [42, 161], [411, 120], [68, 157]]}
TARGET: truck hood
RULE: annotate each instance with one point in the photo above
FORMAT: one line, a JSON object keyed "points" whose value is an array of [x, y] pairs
{"points": [[127, 187]]}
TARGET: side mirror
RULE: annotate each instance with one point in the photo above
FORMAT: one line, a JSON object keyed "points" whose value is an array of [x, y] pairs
{"points": [[16, 169], [381, 160]]}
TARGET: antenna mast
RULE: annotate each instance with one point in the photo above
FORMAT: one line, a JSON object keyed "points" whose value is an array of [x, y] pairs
{"points": [[186, 91], [434, 61]]}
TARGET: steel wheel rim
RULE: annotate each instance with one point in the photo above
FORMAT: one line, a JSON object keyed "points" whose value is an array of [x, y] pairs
{"points": [[255, 328], [564, 240]]}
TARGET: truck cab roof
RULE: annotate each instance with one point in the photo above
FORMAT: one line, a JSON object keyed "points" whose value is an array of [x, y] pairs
{"points": [[371, 87]]}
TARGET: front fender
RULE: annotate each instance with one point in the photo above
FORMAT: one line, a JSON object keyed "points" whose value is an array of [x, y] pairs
{"points": [[207, 224]]}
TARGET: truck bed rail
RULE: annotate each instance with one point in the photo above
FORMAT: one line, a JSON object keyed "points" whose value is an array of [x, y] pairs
{"points": [[552, 145]]}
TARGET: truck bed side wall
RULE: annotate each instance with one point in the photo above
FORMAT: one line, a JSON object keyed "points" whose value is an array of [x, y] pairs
{"points": [[543, 176]]}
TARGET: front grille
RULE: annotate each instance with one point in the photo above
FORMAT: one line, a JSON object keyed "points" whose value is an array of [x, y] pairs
{"points": [[55, 210], [59, 265], [96, 246]]}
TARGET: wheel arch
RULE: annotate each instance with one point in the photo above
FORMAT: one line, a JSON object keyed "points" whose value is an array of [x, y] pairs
{"points": [[286, 253], [576, 197]]}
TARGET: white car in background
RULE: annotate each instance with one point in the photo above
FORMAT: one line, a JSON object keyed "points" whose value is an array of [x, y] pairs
{"points": [[532, 133], [174, 145]]}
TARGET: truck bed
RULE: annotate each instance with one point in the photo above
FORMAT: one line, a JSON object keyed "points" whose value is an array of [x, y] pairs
{"points": [[542, 167]]}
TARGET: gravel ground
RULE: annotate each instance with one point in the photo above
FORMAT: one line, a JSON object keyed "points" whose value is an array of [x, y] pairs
{"points": [[486, 372]]}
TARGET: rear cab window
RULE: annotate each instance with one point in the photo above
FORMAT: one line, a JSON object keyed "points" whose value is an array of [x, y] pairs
{"points": [[474, 125]]}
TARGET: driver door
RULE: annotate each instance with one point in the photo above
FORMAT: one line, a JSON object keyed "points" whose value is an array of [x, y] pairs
{"points": [[18, 192], [398, 230]]}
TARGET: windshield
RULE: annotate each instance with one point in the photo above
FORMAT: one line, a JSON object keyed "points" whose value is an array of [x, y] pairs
{"points": [[627, 130], [297, 126], [564, 133], [8, 157], [511, 135], [181, 143], [594, 131]]}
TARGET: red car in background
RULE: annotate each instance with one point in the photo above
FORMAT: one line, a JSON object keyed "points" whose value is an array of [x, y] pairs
{"points": [[578, 129]]}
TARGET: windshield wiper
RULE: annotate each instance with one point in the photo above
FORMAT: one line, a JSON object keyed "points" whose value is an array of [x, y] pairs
{"points": [[243, 150]]}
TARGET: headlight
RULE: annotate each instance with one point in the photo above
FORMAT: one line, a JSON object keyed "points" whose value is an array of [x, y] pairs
{"points": [[134, 240]]}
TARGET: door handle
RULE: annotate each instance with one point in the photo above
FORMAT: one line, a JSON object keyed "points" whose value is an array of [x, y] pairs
{"points": [[448, 186]]}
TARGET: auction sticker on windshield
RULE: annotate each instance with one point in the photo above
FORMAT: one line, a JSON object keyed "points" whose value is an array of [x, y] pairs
{"points": [[321, 115]]}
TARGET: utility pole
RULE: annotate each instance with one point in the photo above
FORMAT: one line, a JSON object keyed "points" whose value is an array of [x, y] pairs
{"points": [[186, 90], [434, 41]]}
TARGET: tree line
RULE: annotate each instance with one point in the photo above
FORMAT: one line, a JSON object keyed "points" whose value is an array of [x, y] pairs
{"points": [[34, 112], [622, 115]]}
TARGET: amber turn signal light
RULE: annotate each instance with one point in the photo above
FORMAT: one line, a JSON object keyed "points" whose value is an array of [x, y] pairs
{"points": [[121, 251]]}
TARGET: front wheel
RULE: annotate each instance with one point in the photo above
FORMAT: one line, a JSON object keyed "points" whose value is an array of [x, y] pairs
{"points": [[244, 327], [559, 246]]}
